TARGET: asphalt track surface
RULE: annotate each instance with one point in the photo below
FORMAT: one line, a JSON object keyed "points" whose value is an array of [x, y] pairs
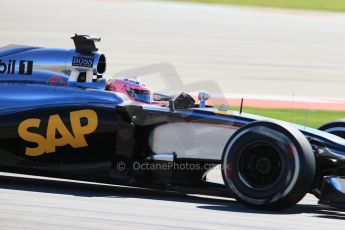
{"points": [[27, 203], [243, 50]]}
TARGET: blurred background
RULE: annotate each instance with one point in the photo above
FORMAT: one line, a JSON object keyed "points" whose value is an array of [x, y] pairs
{"points": [[285, 58]]}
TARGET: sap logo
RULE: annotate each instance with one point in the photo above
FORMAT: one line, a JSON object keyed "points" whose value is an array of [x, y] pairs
{"points": [[48, 144], [82, 62], [25, 67]]}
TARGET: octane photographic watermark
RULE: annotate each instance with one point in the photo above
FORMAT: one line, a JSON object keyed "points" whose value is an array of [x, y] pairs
{"points": [[121, 166], [173, 83], [165, 166]]}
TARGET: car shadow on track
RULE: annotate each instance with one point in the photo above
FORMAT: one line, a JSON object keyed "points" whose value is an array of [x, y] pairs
{"points": [[85, 189], [45, 185], [320, 211]]}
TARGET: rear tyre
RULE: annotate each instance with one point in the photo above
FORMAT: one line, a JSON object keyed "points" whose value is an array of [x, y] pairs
{"points": [[268, 165], [335, 127]]}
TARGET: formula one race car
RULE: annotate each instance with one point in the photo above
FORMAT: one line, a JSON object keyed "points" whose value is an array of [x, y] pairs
{"points": [[58, 118]]}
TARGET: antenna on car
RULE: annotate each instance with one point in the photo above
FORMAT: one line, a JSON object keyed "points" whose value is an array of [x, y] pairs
{"points": [[85, 44], [306, 114], [241, 108]]}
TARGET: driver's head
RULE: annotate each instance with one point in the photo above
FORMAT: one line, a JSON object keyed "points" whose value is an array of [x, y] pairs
{"points": [[132, 87]]}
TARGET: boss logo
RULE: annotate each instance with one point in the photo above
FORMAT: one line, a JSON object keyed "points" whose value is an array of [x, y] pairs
{"points": [[83, 62], [24, 67]]}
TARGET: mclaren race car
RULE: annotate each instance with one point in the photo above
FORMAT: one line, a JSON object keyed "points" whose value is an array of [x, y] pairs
{"points": [[58, 118]]}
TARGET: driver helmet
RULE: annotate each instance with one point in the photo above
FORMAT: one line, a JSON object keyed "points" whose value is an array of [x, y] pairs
{"points": [[136, 90]]}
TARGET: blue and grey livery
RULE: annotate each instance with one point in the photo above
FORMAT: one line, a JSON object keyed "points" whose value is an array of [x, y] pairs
{"points": [[58, 119]]}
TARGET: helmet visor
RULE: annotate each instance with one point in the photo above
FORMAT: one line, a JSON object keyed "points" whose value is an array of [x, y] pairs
{"points": [[140, 95]]}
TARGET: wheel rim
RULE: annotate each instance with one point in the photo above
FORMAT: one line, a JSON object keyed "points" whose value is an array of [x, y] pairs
{"points": [[260, 166]]}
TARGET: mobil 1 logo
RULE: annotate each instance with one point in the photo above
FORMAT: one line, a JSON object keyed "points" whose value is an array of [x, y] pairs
{"points": [[9, 67], [82, 61]]}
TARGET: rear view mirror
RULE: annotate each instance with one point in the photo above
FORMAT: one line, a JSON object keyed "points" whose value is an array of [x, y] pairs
{"points": [[162, 97]]}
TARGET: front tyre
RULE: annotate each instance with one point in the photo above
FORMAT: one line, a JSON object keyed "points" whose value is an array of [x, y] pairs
{"points": [[335, 127], [268, 165]]}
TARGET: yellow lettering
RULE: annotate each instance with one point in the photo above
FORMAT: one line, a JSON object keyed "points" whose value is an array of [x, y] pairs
{"points": [[55, 126], [80, 131], [32, 137]]}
